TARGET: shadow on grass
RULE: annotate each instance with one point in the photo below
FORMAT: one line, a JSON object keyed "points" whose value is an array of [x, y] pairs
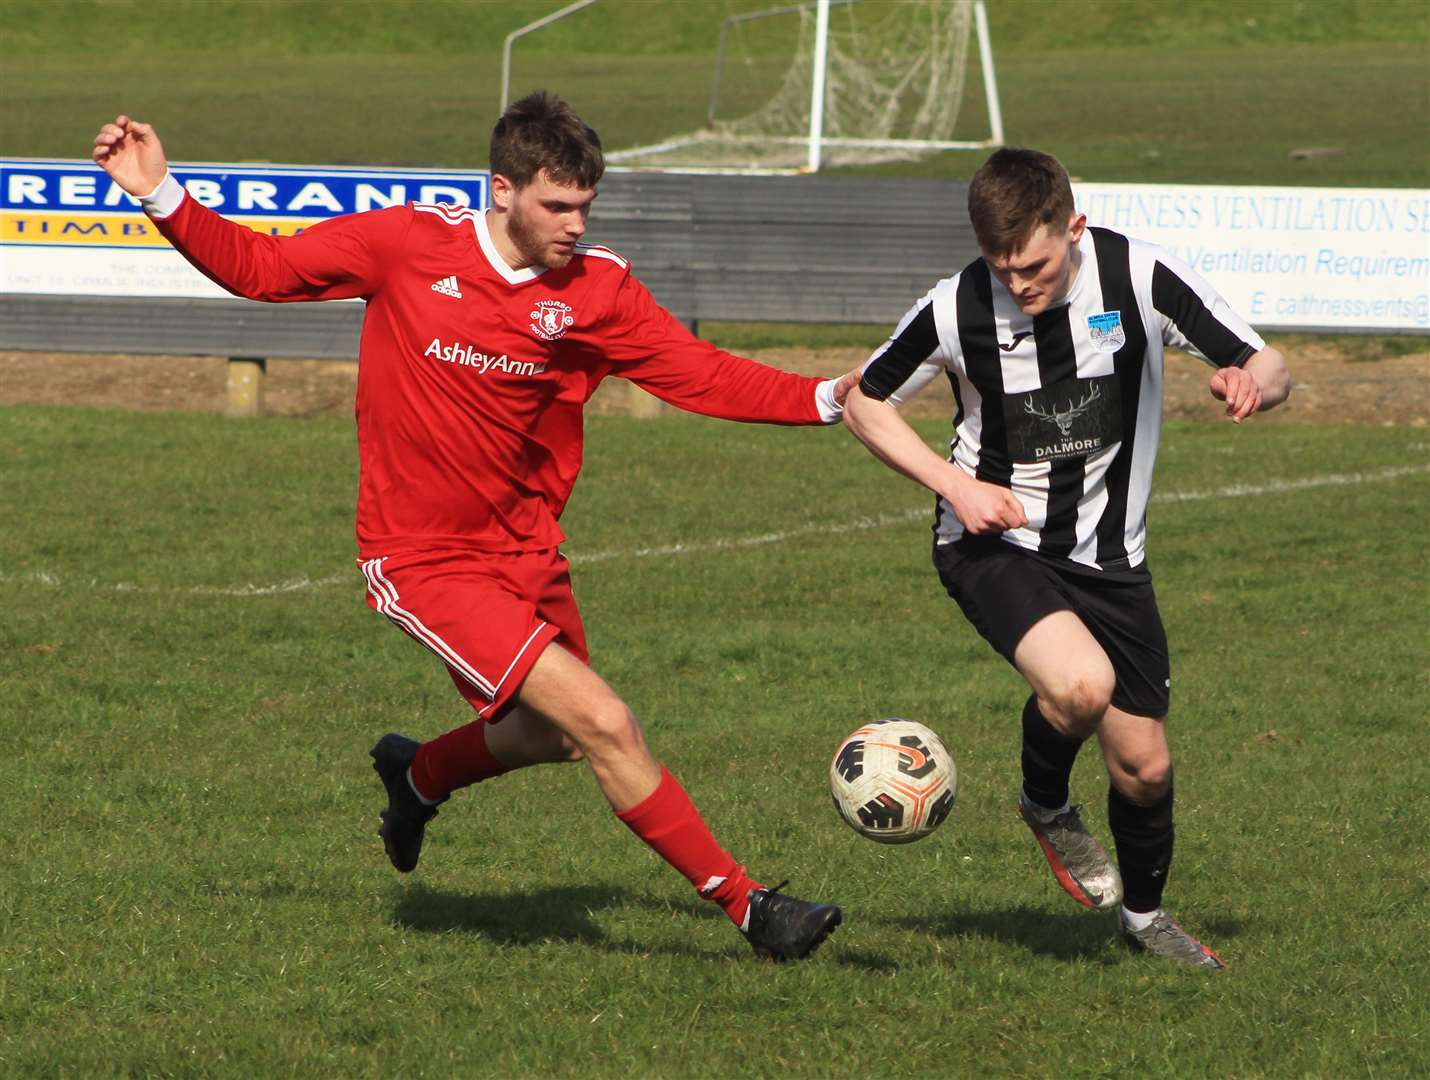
{"points": [[1215, 928], [564, 914], [533, 918], [526, 918], [1063, 936], [870, 963]]}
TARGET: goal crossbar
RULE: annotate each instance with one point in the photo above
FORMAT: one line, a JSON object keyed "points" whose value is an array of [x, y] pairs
{"points": [[800, 140]]}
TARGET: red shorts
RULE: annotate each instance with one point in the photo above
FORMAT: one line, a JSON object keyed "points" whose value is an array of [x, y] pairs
{"points": [[487, 617]]}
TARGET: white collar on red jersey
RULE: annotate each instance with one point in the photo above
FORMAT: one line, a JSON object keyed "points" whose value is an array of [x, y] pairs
{"points": [[489, 249]]}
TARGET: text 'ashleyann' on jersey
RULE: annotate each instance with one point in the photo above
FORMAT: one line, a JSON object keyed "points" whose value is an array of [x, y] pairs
{"points": [[1064, 407]]}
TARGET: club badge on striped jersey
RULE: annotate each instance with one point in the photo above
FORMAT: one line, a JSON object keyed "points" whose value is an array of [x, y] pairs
{"points": [[1105, 329]]}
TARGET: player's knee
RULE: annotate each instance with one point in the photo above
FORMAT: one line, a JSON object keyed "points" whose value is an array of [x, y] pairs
{"points": [[1079, 703], [1144, 780], [606, 728]]}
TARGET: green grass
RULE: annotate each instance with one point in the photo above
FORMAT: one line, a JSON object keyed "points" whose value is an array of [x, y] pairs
{"points": [[192, 885], [1122, 90], [189, 678], [247, 28]]}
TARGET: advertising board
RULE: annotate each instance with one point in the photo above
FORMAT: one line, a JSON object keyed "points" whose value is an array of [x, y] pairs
{"points": [[67, 229], [1345, 259]]}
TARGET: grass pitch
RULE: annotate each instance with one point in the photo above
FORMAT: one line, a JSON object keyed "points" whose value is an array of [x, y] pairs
{"points": [[189, 682]]}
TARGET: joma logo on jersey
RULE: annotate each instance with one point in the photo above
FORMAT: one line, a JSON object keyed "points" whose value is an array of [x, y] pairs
{"points": [[550, 318], [466, 356]]}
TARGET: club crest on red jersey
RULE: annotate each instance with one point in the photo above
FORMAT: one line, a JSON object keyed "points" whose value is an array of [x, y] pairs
{"points": [[550, 319]]}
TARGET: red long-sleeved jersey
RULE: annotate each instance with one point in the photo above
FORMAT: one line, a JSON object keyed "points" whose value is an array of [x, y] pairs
{"points": [[473, 377]]}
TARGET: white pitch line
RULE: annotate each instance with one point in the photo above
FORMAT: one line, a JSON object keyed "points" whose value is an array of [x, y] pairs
{"points": [[1278, 487], [702, 547], [1234, 491], [41, 577], [739, 543]]}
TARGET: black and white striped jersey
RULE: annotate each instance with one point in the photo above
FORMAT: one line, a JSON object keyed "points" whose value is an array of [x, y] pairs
{"points": [[1063, 407]]}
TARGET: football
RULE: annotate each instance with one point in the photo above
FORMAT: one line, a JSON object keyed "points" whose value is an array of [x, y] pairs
{"points": [[893, 781]]}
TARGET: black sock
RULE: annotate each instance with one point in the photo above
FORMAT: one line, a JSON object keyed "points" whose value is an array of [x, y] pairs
{"points": [[1143, 835], [1048, 757]]}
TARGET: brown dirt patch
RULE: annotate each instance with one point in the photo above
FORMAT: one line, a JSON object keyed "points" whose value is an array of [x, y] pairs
{"points": [[1331, 388]]}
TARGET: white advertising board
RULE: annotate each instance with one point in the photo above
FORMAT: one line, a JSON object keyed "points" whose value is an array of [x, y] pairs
{"points": [[66, 228], [1350, 259]]}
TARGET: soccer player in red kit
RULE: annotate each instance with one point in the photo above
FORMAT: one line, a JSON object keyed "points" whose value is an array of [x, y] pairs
{"points": [[486, 333]]}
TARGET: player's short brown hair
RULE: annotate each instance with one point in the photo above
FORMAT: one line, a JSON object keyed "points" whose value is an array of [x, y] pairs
{"points": [[541, 131], [1013, 193]]}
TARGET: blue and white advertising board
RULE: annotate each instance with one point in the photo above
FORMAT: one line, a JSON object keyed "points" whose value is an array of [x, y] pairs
{"points": [[1315, 258], [66, 228]]}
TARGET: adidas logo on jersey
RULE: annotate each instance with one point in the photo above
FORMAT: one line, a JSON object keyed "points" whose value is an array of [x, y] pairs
{"points": [[447, 287]]}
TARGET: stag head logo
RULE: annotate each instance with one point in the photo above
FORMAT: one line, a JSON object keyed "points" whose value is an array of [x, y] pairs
{"points": [[1064, 419]]}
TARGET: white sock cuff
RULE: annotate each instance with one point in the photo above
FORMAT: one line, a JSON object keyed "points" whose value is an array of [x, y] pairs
{"points": [[1138, 920], [423, 799]]}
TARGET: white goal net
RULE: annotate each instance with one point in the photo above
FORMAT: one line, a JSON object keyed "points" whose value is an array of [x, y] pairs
{"points": [[865, 81]]}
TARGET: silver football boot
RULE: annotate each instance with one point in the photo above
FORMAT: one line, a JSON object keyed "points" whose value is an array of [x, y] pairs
{"points": [[1079, 862], [1163, 937]]}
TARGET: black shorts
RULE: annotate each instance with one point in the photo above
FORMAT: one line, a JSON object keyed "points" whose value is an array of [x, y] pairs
{"points": [[1004, 591]]}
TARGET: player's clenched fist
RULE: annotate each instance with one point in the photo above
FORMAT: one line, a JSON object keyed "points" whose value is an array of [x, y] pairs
{"points": [[131, 153], [986, 508], [847, 382], [1239, 390]]}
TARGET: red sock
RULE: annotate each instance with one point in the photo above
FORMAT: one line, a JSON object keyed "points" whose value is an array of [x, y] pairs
{"points": [[668, 821], [454, 760]]}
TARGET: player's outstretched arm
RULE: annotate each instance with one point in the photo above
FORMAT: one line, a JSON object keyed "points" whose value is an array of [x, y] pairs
{"points": [[130, 152], [339, 259], [654, 351], [1263, 382], [983, 508]]}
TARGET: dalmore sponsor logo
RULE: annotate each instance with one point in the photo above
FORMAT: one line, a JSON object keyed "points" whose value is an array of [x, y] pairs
{"points": [[467, 356], [1075, 418], [1067, 447]]}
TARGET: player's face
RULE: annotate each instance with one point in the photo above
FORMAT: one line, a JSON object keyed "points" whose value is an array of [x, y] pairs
{"points": [[1041, 274], [544, 219]]}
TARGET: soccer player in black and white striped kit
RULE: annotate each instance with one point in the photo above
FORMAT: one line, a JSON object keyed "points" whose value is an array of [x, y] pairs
{"points": [[1053, 342]]}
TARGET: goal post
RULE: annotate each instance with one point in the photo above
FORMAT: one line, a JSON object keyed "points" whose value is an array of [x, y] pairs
{"points": [[990, 77], [867, 82], [819, 76]]}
